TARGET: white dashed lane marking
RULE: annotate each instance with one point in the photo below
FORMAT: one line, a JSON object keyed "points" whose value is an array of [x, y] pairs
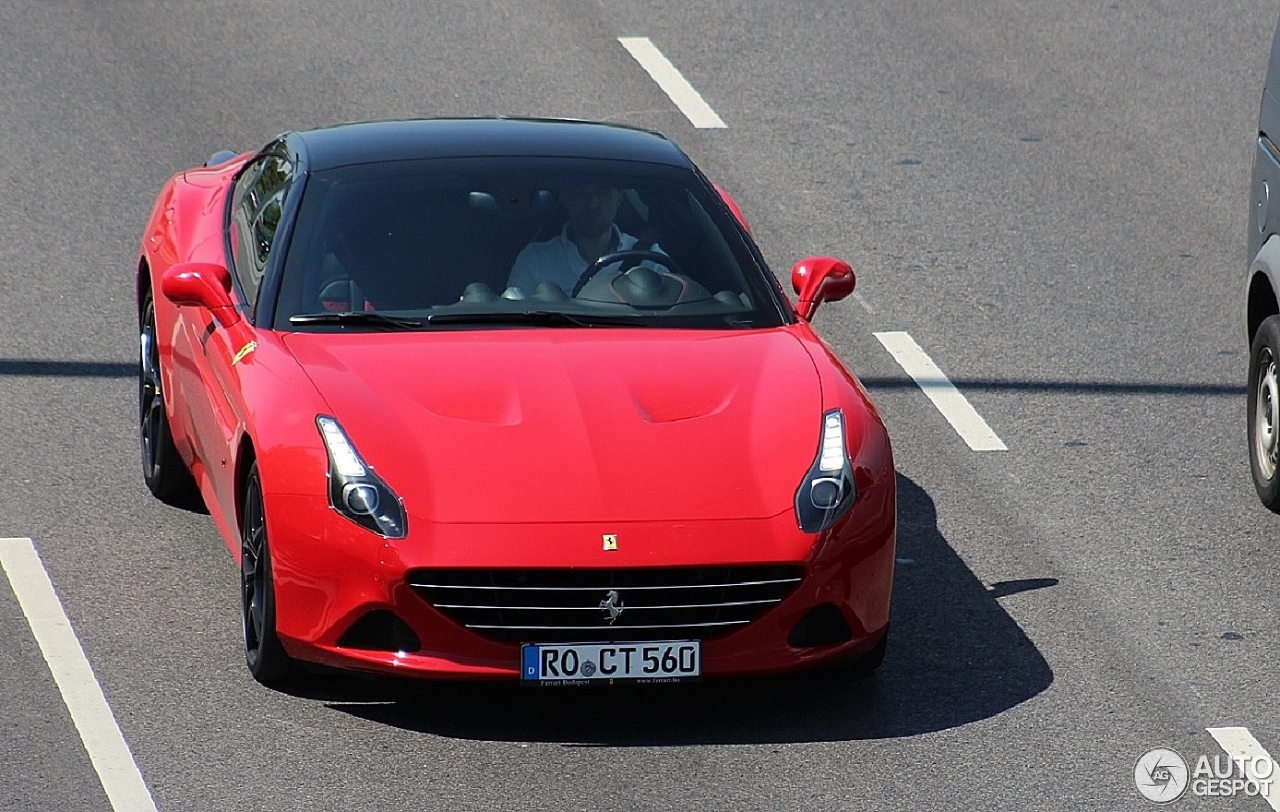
{"points": [[81, 692], [1239, 743], [954, 406], [690, 101]]}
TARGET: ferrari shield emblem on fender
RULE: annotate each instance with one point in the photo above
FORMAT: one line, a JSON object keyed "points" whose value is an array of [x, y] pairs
{"points": [[610, 542]]}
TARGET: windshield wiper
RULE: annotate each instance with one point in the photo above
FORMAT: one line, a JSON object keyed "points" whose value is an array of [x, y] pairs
{"points": [[541, 318], [358, 318]]}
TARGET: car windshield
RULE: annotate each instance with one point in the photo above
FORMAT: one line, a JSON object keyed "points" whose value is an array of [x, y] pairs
{"points": [[519, 242]]}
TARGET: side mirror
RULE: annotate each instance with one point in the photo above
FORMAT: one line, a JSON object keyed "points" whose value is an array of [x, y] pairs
{"points": [[201, 284], [820, 279]]}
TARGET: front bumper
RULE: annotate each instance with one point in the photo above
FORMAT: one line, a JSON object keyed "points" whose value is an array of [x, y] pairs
{"points": [[344, 600]]}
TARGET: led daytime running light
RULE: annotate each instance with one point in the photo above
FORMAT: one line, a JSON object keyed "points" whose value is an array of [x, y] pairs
{"points": [[832, 458], [345, 459]]}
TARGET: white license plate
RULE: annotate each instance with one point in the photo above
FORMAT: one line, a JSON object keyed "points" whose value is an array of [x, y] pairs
{"points": [[582, 663]]}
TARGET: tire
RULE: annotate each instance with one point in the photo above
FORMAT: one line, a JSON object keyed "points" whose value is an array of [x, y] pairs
{"points": [[163, 470], [1264, 412], [267, 660]]}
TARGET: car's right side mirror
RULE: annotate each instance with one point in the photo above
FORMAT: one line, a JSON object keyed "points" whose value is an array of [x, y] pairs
{"points": [[820, 279]]}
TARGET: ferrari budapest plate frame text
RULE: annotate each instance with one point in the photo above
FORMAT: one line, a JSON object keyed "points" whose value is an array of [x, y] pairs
{"points": [[596, 663]]}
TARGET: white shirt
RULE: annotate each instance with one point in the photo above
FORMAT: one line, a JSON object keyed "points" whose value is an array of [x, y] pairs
{"points": [[557, 260]]}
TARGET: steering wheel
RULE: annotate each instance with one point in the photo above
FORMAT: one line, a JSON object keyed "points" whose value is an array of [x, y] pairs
{"points": [[626, 261]]}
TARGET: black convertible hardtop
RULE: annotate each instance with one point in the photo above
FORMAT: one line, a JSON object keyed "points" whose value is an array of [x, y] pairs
{"points": [[414, 139]]}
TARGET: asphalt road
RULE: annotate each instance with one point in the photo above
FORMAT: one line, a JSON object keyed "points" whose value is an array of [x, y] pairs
{"points": [[1049, 196]]}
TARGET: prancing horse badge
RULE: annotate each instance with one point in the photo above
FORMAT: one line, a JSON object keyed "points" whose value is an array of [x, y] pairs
{"points": [[610, 542]]}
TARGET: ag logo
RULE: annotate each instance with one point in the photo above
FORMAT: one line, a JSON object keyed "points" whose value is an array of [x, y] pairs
{"points": [[1161, 776]]}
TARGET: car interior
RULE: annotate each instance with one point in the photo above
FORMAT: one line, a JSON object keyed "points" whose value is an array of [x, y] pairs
{"points": [[413, 242]]}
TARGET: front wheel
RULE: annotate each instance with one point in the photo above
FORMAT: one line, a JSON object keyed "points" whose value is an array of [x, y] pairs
{"points": [[267, 660], [1264, 412], [163, 471]]}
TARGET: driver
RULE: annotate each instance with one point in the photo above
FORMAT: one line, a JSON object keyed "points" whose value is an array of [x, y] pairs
{"points": [[589, 234]]}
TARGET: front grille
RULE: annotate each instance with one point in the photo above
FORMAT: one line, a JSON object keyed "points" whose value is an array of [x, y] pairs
{"points": [[562, 606]]}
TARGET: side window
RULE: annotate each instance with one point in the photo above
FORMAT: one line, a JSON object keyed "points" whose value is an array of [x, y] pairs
{"points": [[257, 206]]}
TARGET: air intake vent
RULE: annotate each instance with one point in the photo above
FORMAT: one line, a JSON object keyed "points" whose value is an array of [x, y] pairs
{"points": [[584, 606], [380, 630]]}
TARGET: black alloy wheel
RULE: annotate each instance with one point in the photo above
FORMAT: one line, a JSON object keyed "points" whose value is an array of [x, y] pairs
{"points": [[267, 660], [163, 471]]}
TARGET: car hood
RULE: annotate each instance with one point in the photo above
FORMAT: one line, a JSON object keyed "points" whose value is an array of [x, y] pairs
{"points": [[504, 426]]}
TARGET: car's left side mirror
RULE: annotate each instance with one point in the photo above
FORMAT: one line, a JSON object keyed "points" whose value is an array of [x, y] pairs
{"points": [[820, 279], [201, 284]]}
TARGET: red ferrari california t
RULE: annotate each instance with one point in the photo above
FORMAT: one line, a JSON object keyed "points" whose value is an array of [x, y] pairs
{"points": [[509, 399]]}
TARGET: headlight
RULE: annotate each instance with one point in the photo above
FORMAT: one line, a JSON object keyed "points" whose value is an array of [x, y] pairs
{"points": [[827, 491], [355, 490]]}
